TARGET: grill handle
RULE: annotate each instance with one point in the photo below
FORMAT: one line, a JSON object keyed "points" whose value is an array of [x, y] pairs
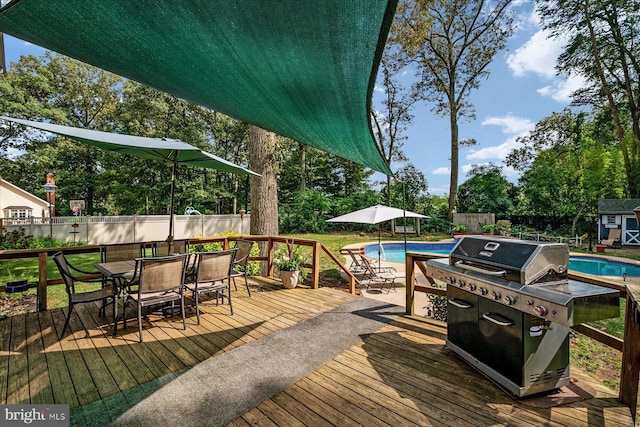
{"points": [[461, 264], [460, 304], [502, 321]]}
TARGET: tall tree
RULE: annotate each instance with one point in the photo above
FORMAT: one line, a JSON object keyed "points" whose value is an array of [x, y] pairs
{"points": [[451, 43], [604, 48], [390, 121], [66, 91], [264, 188]]}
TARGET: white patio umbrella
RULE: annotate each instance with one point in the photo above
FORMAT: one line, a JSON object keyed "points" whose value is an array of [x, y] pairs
{"points": [[375, 215]]}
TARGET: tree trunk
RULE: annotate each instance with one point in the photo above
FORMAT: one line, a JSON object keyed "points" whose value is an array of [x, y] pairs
{"points": [[264, 189], [453, 181], [303, 157]]}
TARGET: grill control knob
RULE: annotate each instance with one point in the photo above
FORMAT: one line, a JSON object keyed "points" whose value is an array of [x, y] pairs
{"points": [[461, 283], [540, 310], [510, 299], [484, 290], [496, 295], [472, 287]]}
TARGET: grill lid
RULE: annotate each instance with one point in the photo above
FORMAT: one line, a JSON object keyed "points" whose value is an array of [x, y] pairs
{"points": [[522, 261]]}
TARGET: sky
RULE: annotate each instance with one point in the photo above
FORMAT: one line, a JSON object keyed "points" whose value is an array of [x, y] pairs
{"points": [[522, 89]]}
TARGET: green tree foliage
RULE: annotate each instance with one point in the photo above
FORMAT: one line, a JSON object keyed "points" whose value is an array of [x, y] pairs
{"points": [[409, 190], [565, 170], [487, 190], [604, 49], [58, 89], [452, 43], [307, 214]]}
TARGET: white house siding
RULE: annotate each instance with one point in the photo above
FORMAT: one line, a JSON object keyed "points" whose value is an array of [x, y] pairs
{"points": [[11, 195]]}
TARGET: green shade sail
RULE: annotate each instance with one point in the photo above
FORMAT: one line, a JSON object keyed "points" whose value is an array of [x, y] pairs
{"points": [[303, 69]]}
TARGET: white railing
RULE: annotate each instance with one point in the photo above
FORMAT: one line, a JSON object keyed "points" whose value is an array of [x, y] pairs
{"points": [[96, 230], [571, 241]]}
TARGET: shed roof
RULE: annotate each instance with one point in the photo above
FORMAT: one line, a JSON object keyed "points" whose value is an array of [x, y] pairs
{"points": [[617, 206]]}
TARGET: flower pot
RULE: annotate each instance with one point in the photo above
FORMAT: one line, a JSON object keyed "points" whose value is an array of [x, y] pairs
{"points": [[289, 278]]}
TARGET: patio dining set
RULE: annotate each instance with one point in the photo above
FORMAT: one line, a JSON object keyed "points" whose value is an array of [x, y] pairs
{"points": [[128, 277]]}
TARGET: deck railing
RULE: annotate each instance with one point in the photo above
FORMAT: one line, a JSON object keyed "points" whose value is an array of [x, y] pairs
{"points": [[43, 282], [629, 346]]}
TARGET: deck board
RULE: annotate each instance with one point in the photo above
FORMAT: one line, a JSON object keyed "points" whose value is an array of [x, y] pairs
{"points": [[401, 375]]}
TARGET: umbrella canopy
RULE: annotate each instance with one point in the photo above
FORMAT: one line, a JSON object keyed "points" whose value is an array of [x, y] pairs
{"points": [[303, 69], [375, 215], [168, 150]]}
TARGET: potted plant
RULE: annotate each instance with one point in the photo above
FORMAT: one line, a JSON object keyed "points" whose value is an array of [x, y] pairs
{"points": [[458, 229], [289, 260], [489, 228]]}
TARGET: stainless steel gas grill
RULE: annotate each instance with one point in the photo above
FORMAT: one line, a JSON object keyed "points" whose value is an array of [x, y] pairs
{"points": [[510, 307]]}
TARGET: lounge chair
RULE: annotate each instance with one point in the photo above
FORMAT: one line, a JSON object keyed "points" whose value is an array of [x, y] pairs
{"points": [[358, 265], [383, 275], [613, 239]]}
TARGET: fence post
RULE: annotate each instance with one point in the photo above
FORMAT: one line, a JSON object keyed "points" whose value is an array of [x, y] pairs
{"points": [[315, 272], [410, 286], [631, 352], [42, 281]]}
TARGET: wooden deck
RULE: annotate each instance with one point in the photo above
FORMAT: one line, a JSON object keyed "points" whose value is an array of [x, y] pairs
{"points": [[401, 375]]}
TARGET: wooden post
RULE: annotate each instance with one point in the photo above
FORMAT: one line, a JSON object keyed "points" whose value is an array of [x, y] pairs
{"points": [[42, 281], [315, 268], [411, 280], [270, 257], [630, 374], [352, 285]]}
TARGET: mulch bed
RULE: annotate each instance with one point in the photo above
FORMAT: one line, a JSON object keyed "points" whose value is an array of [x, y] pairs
{"points": [[19, 303]]}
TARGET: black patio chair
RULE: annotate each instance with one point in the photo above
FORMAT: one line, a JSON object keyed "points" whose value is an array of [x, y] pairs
{"points": [[240, 263], [69, 274]]}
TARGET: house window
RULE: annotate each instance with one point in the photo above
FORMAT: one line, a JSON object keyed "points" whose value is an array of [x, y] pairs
{"points": [[611, 219], [19, 213]]}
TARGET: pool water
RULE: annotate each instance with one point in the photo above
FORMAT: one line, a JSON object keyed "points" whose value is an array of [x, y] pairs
{"points": [[602, 266], [597, 266], [394, 252]]}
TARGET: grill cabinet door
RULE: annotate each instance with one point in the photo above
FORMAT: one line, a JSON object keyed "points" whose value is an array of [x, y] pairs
{"points": [[462, 319], [501, 333]]}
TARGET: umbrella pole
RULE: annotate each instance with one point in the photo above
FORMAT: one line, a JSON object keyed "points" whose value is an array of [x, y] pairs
{"points": [[379, 247], [173, 189]]}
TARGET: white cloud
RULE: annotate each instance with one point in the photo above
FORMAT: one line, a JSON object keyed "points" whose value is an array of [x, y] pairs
{"points": [[510, 124], [562, 89], [496, 152], [538, 55], [442, 171]]}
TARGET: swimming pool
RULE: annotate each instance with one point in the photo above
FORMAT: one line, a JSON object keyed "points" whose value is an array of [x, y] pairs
{"points": [[394, 252], [597, 266]]}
